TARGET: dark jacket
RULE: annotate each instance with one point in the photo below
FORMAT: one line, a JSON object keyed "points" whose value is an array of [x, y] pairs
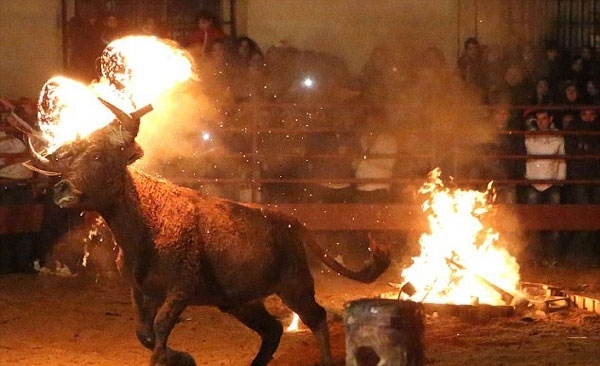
{"points": [[583, 145]]}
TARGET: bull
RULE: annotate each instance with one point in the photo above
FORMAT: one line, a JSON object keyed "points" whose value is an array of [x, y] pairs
{"points": [[180, 247]]}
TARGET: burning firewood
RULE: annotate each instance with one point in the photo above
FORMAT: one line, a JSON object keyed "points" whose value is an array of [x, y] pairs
{"points": [[506, 296]]}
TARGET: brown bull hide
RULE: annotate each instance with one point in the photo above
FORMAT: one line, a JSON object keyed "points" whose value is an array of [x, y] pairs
{"points": [[180, 248]]}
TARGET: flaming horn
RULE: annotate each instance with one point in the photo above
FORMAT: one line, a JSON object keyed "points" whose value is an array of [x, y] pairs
{"points": [[130, 122]]}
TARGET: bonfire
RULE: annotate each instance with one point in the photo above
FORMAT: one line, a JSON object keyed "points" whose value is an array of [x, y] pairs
{"points": [[460, 260]]}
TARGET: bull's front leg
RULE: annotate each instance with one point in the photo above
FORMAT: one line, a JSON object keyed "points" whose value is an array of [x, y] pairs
{"points": [[145, 308], [166, 318]]}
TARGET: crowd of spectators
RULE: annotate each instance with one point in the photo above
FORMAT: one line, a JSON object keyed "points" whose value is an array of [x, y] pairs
{"points": [[543, 92], [393, 101]]}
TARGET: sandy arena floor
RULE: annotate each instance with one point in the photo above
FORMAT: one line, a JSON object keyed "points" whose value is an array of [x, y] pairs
{"points": [[48, 320]]}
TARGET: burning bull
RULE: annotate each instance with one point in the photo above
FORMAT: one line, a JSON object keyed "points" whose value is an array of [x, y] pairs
{"points": [[182, 248]]}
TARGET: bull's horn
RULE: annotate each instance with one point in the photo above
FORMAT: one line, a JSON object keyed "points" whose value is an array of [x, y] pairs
{"points": [[41, 158], [125, 118], [34, 168], [142, 111], [131, 121]]}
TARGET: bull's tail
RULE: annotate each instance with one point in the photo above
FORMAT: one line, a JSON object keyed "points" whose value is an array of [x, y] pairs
{"points": [[380, 255]]}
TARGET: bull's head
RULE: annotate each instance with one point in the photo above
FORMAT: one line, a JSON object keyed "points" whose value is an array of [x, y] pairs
{"points": [[92, 170]]}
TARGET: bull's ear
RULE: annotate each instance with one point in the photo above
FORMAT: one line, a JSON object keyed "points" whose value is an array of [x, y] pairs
{"points": [[132, 152]]}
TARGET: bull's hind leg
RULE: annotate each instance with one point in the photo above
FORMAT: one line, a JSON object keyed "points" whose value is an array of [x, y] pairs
{"points": [[300, 298], [256, 317]]}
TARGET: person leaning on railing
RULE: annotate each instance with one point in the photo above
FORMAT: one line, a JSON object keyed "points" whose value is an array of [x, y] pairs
{"points": [[379, 148], [545, 169]]}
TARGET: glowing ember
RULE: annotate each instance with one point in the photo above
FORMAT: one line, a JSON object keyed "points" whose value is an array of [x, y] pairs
{"points": [[136, 70], [459, 261], [294, 324]]}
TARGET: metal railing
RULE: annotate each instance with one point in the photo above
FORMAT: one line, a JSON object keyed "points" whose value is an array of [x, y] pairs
{"points": [[249, 182], [397, 213]]}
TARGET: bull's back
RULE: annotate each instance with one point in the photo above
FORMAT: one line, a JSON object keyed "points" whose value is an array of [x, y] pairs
{"points": [[235, 250], [250, 249]]}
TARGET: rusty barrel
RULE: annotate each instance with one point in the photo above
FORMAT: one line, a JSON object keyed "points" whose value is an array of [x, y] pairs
{"points": [[383, 332]]}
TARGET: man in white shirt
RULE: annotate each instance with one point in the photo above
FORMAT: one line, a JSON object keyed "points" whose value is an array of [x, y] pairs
{"points": [[379, 148], [545, 169]]}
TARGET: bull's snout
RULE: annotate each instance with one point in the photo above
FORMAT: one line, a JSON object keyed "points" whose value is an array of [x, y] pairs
{"points": [[65, 194]]}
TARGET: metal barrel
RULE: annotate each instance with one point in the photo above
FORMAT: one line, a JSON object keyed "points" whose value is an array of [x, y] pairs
{"points": [[382, 332]]}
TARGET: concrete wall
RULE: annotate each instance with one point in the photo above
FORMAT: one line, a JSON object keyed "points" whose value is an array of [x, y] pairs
{"points": [[30, 47], [352, 28]]}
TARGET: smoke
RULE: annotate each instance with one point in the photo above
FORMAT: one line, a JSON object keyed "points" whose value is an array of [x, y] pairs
{"points": [[423, 101]]}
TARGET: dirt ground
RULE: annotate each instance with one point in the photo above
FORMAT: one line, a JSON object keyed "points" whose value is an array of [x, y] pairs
{"points": [[88, 320]]}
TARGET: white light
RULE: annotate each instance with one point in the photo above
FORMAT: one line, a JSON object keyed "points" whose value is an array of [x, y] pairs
{"points": [[205, 136], [308, 82]]}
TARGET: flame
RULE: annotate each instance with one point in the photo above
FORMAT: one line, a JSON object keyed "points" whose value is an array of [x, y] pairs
{"points": [[460, 254], [136, 70], [140, 68], [69, 110]]}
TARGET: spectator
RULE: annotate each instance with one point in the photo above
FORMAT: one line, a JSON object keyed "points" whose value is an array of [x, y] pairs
{"points": [[515, 88], [217, 56], [528, 59], [284, 158], [217, 73], [570, 100], [471, 66], [85, 46], [582, 248], [545, 169], [495, 65], [379, 78], [498, 168], [111, 29], [335, 150], [16, 249], [576, 73], [592, 91], [551, 66], [245, 48], [543, 94], [252, 82], [590, 62], [152, 27], [207, 32], [375, 143]]}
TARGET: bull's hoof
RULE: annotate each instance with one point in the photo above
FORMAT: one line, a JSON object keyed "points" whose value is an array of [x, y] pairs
{"points": [[175, 358], [147, 339], [185, 359]]}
